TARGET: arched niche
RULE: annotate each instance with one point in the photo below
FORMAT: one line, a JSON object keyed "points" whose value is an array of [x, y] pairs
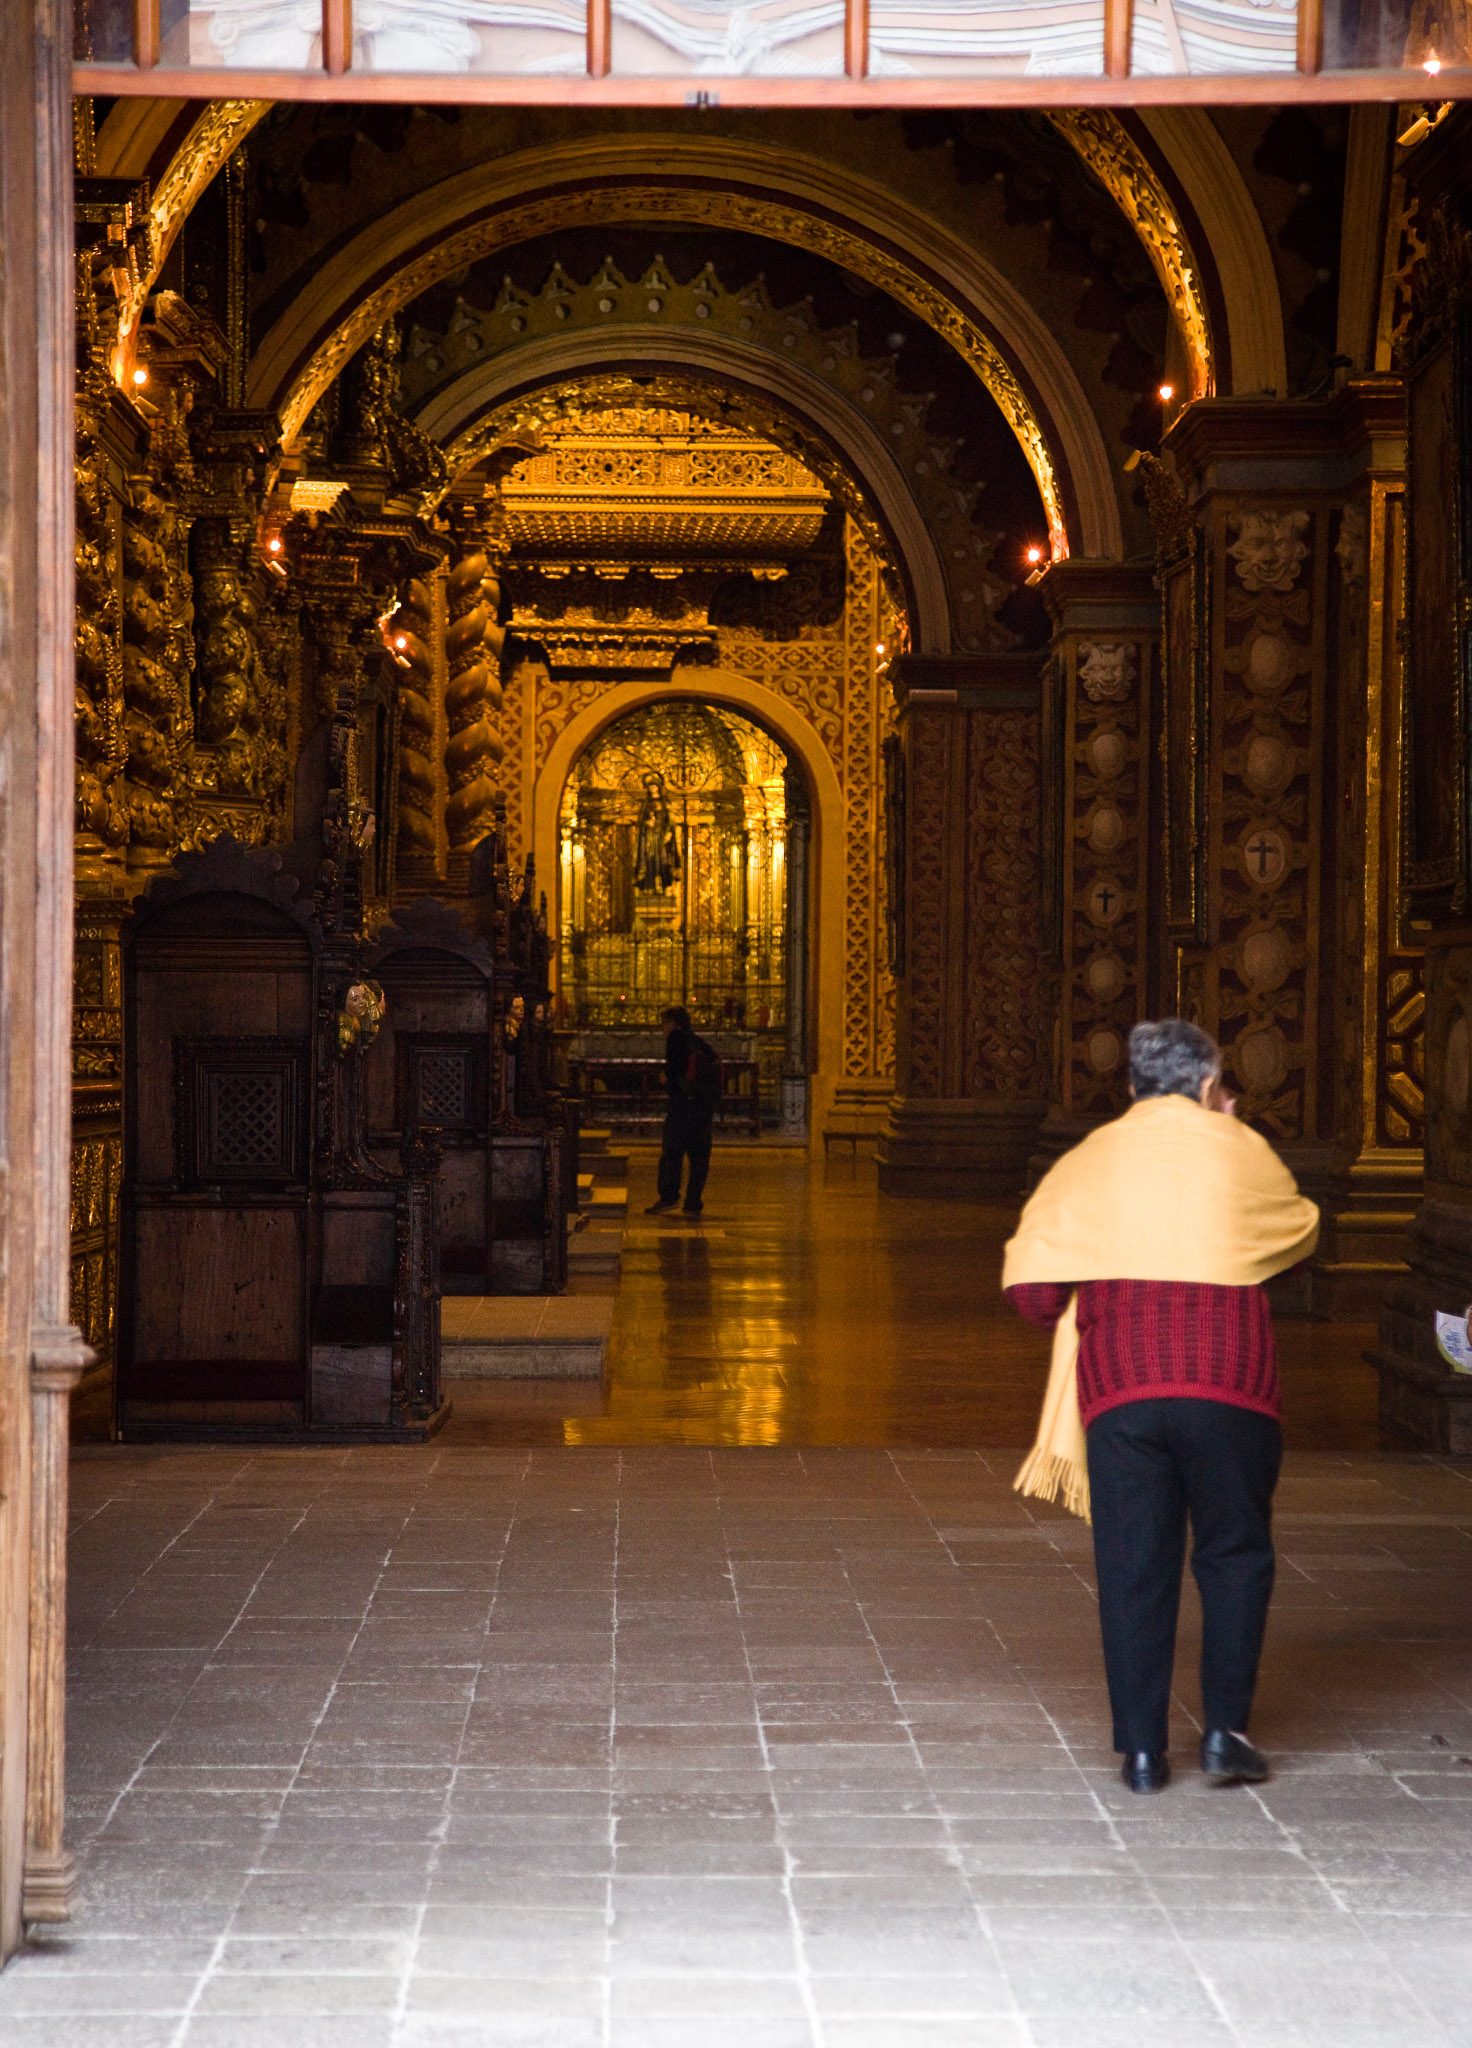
{"points": [[816, 405], [826, 883]]}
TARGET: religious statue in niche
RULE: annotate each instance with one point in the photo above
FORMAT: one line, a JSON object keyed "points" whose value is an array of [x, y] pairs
{"points": [[656, 848]]}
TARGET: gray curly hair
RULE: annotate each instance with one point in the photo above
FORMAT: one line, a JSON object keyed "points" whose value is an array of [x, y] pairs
{"points": [[1172, 1058]]}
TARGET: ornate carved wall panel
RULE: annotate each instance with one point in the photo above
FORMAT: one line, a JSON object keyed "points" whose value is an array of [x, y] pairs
{"points": [[1105, 908], [1270, 559], [931, 746], [1006, 996]]}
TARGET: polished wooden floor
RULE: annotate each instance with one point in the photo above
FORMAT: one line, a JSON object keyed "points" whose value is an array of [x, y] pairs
{"points": [[805, 1308]]}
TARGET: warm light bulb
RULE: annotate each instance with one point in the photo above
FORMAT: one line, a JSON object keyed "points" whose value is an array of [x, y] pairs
{"points": [[1432, 64], [274, 544], [400, 641], [140, 377], [1167, 393], [879, 647], [1034, 554]]}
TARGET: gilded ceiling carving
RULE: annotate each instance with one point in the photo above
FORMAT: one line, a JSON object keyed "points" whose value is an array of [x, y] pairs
{"points": [[623, 488], [720, 209], [218, 132], [440, 372], [1120, 166]]}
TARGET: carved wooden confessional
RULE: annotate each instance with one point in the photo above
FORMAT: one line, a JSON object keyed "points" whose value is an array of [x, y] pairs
{"points": [[463, 1053], [277, 1279]]}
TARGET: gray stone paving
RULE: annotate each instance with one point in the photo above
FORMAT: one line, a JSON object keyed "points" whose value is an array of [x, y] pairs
{"points": [[777, 1748]]}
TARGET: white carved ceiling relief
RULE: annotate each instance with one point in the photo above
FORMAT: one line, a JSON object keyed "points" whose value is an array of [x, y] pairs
{"points": [[507, 36], [772, 38], [1203, 36]]}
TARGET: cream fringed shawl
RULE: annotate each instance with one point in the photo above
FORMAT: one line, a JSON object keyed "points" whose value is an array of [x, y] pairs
{"points": [[1169, 1191]]}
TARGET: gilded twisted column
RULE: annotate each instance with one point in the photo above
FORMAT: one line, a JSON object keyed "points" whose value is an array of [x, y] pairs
{"points": [[101, 821], [156, 668], [416, 863], [231, 686], [473, 643]]}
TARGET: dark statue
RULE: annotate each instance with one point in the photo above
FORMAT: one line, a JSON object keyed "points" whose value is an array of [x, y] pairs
{"points": [[656, 848]]}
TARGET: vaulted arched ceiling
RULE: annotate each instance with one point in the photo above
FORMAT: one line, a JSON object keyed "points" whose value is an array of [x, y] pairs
{"points": [[1170, 174]]}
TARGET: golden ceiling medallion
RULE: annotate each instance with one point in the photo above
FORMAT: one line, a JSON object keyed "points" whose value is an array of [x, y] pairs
{"points": [[727, 210], [1122, 169]]}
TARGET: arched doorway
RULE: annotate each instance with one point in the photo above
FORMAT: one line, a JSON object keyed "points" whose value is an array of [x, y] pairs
{"points": [[682, 838]]}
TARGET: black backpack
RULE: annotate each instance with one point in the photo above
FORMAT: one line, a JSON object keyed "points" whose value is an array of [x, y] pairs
{"points": [[705, 1077]]}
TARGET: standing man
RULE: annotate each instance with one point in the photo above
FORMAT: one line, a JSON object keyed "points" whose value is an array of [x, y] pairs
{"points": [[692, 1075], [1145, 1250]]}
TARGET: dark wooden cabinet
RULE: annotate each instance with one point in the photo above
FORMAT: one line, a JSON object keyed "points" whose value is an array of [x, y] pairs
{"points": [[277, 1279]]}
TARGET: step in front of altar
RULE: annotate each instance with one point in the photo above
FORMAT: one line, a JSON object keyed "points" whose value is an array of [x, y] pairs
{"points": [[525, 1336]]}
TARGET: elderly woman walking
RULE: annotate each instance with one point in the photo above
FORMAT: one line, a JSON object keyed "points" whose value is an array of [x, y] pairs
{"points": [[1145, 1250]]}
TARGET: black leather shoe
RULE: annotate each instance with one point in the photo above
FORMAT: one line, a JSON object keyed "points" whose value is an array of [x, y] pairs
{"points": [[1231, 1759], [694, 1209], [660, 1208], [1146, 1770]]}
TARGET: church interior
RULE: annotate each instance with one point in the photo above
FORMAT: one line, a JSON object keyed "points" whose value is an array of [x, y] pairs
{"points": [[923, 562]]}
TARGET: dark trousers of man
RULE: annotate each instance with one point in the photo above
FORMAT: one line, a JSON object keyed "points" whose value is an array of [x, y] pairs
{"points": [[688, 1131], [1151, 1464]]}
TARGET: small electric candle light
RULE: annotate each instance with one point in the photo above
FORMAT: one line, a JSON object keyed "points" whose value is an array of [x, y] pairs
{"points": [[1167, 393], [140, 377]]}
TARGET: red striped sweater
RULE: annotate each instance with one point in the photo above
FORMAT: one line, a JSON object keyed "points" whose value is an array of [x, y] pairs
{"points": [[1143, 1339]]}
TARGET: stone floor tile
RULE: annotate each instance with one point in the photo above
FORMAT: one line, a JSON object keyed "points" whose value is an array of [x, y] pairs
{"points": [[262, 1994], [25, 1993], [713, 2030], [664, 1997]]}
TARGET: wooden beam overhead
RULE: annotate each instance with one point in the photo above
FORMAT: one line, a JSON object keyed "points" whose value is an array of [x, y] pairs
{"points": [[1119, 22], [600, 37], [1310, 36], [856, 38], [337, 37], [146, 37], [1270, 88]]}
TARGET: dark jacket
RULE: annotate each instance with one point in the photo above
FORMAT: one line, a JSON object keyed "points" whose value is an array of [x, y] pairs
{"points": [[679, 1047]]}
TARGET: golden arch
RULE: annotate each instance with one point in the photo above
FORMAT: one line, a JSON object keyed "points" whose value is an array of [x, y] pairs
{"points": [[798, 200], [790, 386], [826, 895]]}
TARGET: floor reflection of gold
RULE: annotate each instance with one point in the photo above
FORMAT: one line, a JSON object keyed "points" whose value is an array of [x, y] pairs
{"points": [[810, 1309]]}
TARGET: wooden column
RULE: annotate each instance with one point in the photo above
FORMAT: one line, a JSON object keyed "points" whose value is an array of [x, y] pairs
{"points": [[1099, 778], [40, 1354], [971, 1063], [1422, 1396], [1290, 959]]}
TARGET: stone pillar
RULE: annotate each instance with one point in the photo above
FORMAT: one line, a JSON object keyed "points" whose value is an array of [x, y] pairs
{"points": [[40, 1353], [795, 1058], [1099, 779], [973, 1004], [1279, 793]]}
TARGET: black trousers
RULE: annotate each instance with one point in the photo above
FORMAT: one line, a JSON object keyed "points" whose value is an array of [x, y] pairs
{"points": [[689, 1128], [1151, 1465]]}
